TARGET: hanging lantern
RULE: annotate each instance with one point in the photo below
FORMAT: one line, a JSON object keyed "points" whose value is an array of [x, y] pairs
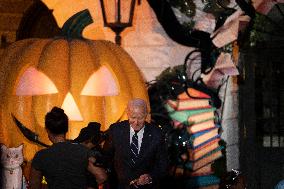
{"points": [[117, 15]]}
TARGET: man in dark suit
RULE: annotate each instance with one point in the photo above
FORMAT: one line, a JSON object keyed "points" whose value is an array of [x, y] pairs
{"points": [[145, 168]]}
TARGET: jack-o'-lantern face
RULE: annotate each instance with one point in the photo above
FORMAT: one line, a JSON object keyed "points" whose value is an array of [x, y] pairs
{"points": [[45, 94], [90, 80]]}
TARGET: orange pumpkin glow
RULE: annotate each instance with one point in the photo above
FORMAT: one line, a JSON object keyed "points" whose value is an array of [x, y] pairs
{"points": [[90, 80]]}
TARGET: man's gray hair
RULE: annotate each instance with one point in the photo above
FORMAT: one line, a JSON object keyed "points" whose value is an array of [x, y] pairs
{"points": [[137, 102]]}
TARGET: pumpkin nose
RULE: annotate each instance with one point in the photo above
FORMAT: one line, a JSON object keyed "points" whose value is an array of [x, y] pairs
{"points": [[71, 109]]}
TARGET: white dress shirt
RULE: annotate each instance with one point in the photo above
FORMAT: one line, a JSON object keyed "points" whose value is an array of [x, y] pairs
{"points": [[140, 137]]}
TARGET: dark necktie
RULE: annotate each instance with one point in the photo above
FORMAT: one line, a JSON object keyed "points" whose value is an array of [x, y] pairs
{"points": [[134, 148]]}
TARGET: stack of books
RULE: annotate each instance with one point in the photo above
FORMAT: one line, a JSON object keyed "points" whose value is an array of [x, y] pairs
{"points": [[192, 111]]}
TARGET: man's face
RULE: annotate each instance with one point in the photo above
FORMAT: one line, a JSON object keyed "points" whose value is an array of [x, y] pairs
{"points": [[136, 117]]}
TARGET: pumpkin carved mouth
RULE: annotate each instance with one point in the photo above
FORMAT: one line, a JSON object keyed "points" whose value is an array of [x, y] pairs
{"points": [[30, 135]]}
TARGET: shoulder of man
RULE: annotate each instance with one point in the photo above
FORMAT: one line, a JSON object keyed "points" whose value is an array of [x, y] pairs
{"points": [[119, 125], [117, 129], [154, 128]]}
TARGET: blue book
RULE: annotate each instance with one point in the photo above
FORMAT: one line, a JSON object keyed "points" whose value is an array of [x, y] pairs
{"points": [[198, 139], [204, 143], [201, 181]]}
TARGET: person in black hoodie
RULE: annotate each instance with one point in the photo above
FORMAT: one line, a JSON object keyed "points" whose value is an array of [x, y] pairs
{"points": [[64, 165]]}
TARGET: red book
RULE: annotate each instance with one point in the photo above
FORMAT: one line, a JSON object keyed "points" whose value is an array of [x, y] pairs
{"points": [[197, 118], [206, 170], [193, 93], [202, 138], [216, 154], [215, 186], [203, 150], [189, 104], [202, 126]]}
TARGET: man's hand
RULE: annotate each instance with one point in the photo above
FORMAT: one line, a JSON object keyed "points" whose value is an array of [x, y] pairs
{"points": [[92, 160], [144, 179], [98, 172]]}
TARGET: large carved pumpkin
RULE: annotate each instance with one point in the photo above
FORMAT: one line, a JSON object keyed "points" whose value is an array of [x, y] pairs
{"points": [[90, 80]]}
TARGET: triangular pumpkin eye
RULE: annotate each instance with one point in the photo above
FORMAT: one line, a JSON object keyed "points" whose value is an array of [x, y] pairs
{"points": [[34, 82], [71, 109], [101, 83]]}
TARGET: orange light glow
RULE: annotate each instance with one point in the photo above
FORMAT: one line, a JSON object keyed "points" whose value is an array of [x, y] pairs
{"points": [[71, 109], [101, 83], [34, 82]]}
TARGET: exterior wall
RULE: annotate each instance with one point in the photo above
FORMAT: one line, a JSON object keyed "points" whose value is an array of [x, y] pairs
{"points": [[145, 41], [149, 45], [229, 96]]}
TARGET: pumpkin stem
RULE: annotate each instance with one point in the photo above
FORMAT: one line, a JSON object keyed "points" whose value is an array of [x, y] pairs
{"points": [[75, 25]]}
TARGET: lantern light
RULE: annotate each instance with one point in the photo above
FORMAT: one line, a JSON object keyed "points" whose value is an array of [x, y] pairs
{"points": [[112, 17]]}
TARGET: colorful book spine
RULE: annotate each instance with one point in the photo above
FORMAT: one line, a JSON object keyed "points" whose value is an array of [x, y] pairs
{"points": [[205, 170], [209, 158], [203, 137], [215, 186], [193, 94], [192, 114], [202, 181], [201, 126], [198, 118], [204, 143], [189, 104], [207, 148], [182, 116]]}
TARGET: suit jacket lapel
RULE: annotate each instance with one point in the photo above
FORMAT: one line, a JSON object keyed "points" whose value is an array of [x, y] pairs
{"points": [[126, 141], [147, 137]]}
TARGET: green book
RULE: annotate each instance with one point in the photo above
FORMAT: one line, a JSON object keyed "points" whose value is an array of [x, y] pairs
{"points": [[182, 116]]}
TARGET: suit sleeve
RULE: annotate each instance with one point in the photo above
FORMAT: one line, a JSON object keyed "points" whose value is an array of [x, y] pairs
{"points": [[108, 148], [160, 169]]}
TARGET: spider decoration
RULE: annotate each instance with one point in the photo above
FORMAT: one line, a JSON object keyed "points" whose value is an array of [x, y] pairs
{"points": [[180, 19], [184, 32], [174, 81]]}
